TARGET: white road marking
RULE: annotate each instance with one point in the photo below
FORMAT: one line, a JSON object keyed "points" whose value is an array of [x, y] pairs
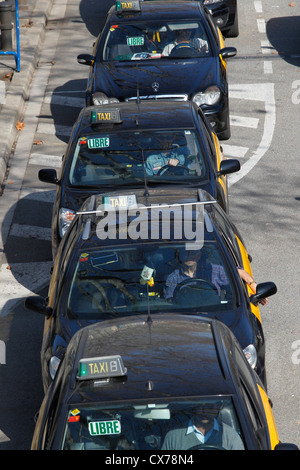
{"points": [[36, 275], [266, 47], [30, 231], [38, 195], [41, 159], [262, 92], [268, 67], [52, 129], [2, 92], [261, 25], [60, 100], [234, 151], [244, 121], [258, 6]]}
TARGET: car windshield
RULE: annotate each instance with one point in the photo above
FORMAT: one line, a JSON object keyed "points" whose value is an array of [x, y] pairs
{"points": [[157, 277], [155, 40], [156, 425], [113, 158]]}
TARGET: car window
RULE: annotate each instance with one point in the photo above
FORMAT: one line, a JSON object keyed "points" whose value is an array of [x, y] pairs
{"points": [[133, 279], [155, 40], [152, 426], [122, 158], [212, 27], [229, 235]]}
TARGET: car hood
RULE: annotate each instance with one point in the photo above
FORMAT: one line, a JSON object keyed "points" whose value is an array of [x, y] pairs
{"points": [[237, 320], [123, 79]]}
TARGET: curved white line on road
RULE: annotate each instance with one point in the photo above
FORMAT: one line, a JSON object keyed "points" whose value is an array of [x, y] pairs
{"points": [[261, 92]]}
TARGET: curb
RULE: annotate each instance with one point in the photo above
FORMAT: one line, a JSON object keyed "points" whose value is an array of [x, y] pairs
{"points": [[18, 89]]}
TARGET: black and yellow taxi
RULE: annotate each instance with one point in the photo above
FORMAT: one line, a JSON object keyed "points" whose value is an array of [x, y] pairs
{"points": [[156, 383], [147, 144], [161, 50], [126, 253]]}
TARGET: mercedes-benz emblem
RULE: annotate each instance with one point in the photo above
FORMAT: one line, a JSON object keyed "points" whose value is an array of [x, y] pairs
{"points": [[155, 86]]}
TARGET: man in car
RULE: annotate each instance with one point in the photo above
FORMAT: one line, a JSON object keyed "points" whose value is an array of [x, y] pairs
{"points": [[203, 430]]}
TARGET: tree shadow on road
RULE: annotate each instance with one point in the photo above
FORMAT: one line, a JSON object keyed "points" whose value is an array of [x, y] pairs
{"points": [[284, 35]]}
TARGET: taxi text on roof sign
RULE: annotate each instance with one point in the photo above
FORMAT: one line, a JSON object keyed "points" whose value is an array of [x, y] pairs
{"points": [[133, 5], [100, 367], [127, 201], [100, 116]]}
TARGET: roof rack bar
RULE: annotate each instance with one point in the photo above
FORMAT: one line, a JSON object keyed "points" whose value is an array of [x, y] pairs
{"points": [[160, 206]]}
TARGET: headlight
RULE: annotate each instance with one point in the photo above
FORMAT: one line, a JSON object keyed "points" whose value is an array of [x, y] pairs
{"points": [[101, 98], [65, 218], [251, 355], [207, 2], [53, 366], [210, 96]]}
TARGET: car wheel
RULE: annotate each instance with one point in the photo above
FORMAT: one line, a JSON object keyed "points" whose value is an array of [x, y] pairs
{"points": [[233, 32], [226, 133]]}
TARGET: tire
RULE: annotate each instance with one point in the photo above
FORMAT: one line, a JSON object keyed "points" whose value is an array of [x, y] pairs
{"points": [[233, 32]]}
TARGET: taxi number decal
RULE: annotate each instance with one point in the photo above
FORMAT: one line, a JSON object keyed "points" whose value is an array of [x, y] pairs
{"points": [[138, 41], [102, 142], [102, 428]]}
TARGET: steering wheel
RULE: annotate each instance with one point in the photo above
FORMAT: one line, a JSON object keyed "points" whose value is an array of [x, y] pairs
{"points": [[183, 45], [169, 168], [206, 447], [199, 282]]}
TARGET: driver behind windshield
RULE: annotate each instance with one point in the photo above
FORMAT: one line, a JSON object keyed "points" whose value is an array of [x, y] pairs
{"points": [[167, 156], [193, 266], [184, 39], [203, 429]]}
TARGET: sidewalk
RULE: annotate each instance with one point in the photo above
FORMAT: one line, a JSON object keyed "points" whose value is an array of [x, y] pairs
{"points": [[14, 86]]}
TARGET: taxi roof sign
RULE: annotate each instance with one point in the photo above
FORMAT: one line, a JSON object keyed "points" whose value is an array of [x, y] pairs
{"points": [[133, 5], [93, 368], [100, 116]]}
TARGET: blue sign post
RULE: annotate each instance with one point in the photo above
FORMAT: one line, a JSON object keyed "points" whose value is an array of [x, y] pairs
{"points": [[15, 53]]}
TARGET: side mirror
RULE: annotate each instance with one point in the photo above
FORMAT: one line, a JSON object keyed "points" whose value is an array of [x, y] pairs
{"points": [[228, 52], [263, 290], [48, 175], [85, 59], [38, 304], [230, 165]]}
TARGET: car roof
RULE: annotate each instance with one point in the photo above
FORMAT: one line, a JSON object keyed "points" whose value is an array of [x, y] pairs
{"points": [[165, 356], [159, 10], [147, 114], [93, 209]]}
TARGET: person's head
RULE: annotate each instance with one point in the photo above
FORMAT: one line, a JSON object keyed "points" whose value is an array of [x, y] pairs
{"points": [[205, 414], [190, 258], [183, 35]]}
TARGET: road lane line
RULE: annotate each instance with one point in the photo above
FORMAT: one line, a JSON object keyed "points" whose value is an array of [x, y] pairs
{"points": [[41, 159], [268, 67], [64, 100], [2, 92], [53, 129], [244, 121], [234, 151], [262, 92], [261, 25], [30, 231], [30, 274], [258, 6]]}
